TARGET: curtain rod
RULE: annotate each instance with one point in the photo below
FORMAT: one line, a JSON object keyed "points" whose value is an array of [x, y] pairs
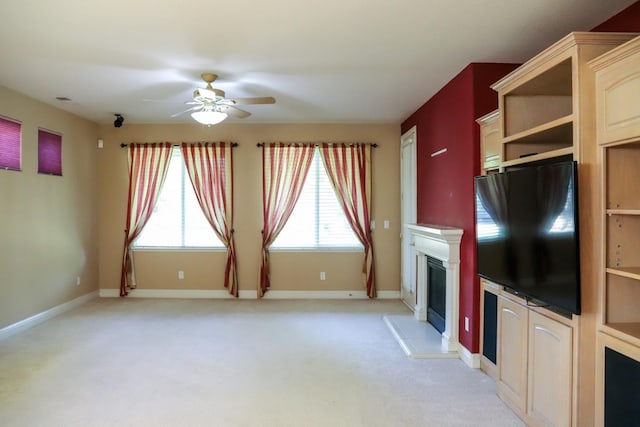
{"points": [[233, 144], [261, 144]]}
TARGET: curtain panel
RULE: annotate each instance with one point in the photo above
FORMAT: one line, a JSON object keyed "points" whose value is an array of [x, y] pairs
{"points": [[210, 169], [284, 169], [148, 165], [349, 169]]}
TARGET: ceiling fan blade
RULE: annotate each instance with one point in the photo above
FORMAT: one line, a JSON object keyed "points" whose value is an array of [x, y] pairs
{"points": [[185, 111], [236, 112], [256, 100]]}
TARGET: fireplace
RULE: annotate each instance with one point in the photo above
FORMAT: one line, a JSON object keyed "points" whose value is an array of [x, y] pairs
{"points": [[436, 293], [437, 249]]}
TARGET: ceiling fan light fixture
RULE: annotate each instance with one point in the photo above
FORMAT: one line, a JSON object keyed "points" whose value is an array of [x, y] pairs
{"points": [[209, 117]]}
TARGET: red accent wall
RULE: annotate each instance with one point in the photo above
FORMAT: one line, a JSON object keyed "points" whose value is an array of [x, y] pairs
{"points": [[626, 21], [445, 182]]}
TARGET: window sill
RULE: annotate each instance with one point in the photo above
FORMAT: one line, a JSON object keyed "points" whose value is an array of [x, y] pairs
{"points": [[338, 249], [178, 249]]}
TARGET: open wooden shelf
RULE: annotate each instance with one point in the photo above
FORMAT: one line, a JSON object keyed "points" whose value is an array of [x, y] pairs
{"points": [[558, 131], [623, 212], [629, 272], [536, 157], [629, 332]]}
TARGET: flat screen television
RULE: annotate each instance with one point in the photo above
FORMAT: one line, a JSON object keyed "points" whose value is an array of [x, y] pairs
{"points": [[527, 233]]}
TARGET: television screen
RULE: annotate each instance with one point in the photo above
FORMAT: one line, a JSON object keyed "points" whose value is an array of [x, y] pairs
{"points": [[527, 233]]}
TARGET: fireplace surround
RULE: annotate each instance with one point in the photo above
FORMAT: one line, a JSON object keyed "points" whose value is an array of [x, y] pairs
{"points": [[440, 243]]}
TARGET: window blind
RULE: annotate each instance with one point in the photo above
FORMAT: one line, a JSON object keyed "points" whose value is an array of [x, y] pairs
{"points": [[10, 145], [49, 153]]}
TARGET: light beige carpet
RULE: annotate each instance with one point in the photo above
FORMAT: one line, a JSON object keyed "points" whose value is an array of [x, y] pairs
{"points": [[136, 362]]}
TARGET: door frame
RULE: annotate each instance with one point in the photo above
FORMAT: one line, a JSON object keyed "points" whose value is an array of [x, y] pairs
{"points": [[408, 140]]}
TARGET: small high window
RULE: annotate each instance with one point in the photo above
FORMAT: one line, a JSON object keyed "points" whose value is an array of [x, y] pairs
{"points": [[49, 152], [10, 144]]}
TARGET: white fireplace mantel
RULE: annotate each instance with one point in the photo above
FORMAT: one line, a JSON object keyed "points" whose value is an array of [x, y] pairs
{"points": [[443, 243]]}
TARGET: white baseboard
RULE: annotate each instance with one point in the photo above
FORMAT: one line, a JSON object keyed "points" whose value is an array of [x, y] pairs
{"points": [[223, 294], [178, 293], [36, 319], [471, 359], [328, 295]]}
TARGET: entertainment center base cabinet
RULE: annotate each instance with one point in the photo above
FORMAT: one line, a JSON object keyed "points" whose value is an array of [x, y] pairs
{"points": [[535, 362]]}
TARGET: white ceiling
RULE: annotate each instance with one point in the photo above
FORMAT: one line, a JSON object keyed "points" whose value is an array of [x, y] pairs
{"points": [[330, 61]]}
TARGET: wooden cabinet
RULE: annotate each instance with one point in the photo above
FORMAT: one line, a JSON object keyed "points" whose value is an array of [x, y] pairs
{"points": [[489, 327], [547, 112], [536, 362], [617, 92], [618, 129], [490, 143], [512, 353], [546, 107], [550, 361]]}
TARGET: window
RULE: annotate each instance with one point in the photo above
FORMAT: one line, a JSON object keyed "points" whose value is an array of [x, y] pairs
{"points": [[177, 220], [10, 145], [49, 153], [318, 220]]}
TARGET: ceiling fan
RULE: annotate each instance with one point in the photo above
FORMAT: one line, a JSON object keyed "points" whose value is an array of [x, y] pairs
{"points": [[210, 106]]}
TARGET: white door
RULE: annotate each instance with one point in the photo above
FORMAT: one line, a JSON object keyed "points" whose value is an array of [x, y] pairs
{"points": [[408, 194]]}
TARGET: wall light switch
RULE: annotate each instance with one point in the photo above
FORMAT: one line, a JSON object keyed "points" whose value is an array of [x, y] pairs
{"points": [[466, 323], [373, 225], [323, 275], [78, 281], [386, 223]]}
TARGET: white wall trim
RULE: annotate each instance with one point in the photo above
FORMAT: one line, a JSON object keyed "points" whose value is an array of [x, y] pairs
{"points": [[471, 359], [223, 294], [329, 295], [36, 319], [179, 293]]}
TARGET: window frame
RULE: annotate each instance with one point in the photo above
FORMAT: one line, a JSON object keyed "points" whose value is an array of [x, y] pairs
{"points": [[19, 124], [57, 153], [185, 183], [317, 157]]}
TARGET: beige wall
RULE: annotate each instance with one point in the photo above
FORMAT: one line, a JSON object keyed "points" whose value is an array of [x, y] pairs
{"points": [[48, 226], [290, 271]]}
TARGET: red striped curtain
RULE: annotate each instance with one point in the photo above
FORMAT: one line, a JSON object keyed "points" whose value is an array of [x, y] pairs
{"points": [[210, 168], [148, 165], [349, 170], [284, 169]]}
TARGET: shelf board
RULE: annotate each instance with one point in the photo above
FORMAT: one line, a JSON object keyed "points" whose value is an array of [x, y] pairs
{"points": [[558, 131], [536, 157], [623, 211], [625, 331], [629, 272]]}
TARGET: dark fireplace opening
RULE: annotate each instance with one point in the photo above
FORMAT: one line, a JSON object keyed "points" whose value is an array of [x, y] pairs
{"points": [[436, 293]]}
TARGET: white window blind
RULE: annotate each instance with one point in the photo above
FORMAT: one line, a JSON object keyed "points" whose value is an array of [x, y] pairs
{"points": [[177, 219], [317, 221]]}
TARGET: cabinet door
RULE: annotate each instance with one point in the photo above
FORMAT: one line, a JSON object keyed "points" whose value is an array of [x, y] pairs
{"points": [[512, 353], [617, 89], [491, 143], [550, 371]]}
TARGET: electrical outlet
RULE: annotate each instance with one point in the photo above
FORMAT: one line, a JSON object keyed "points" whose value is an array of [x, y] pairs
{"points": [[466, 323], [78, 281], [386, 223], [180, 275], [373, 225], [323, 275]]}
